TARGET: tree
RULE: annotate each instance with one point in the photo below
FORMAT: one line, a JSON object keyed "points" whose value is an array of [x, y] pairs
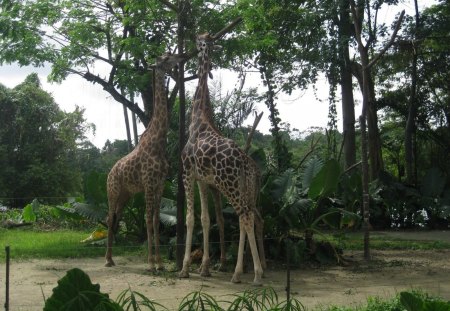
{"points": [[281, 41], [422, 107], [40, 145], [369, 110]]}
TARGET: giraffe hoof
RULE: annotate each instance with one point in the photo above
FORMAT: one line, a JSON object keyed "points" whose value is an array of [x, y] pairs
{"points": [[205, 273], [236, 279], [257, 283], [110, 263], [183, 275], [151, 270]]}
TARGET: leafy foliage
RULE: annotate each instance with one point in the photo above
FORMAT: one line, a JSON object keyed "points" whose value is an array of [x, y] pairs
{"points": [[132, 300], [39, 142], [75, 291]]}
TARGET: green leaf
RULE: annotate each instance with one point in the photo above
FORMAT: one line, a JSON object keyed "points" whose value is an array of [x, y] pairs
{"points": [[411, 302], [326, 181], [433, 183], [437, 306], [312, 167], [75, 291], [28, 214]]}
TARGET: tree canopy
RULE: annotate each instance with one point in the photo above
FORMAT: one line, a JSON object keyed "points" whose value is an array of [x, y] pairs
{"points": [[38, 144]]}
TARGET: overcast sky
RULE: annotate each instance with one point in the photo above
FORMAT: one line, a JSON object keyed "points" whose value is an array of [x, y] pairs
{"points": [[302, 110]]}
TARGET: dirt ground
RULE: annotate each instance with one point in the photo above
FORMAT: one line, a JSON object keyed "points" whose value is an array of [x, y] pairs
{"points": [[388, 273]]}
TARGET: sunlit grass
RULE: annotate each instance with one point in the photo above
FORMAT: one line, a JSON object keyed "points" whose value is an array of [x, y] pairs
{"points": [[30, 243]]}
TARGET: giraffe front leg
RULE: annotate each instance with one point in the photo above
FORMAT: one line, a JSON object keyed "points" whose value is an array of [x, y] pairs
{"points": [[108, 255], [220, 223], [249, 228], [156, 213], [158, 260], [240, 259], [189, 189], [149, 222], [204, 268]]}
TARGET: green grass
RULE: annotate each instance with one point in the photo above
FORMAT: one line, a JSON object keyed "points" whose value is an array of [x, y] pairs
{"points": [[354, 241], [26, 243], [422, 302], [31, 243]]}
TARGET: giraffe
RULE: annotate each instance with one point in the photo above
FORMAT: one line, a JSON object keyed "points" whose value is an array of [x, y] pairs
{"points": [[211, 159], [144, 169]]}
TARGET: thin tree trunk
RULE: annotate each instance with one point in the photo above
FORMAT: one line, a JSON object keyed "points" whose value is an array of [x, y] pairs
{"points": [[133, 118], [410, 128], [182, 12], [365, 187], [367, 92], [374, 140], [127, 126], [348, 104]]}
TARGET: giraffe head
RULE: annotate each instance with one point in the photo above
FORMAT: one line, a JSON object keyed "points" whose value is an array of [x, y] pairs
{"points": [[167, 61], [205, 43]]}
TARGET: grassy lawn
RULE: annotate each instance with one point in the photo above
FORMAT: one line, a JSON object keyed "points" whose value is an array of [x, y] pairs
{"points": [[381, 241], [28, 243]]}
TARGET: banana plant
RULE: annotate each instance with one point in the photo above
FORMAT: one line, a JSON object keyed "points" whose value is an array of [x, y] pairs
{"points": [[307, 199]]}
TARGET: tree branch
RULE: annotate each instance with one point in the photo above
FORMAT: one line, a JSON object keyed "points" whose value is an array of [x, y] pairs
{"points": [[227, 28], [252, 132], [389, 44], [109, 87], [170, 5]]}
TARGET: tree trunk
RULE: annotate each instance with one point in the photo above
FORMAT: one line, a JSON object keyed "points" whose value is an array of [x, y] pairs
{"points": [[182, 15], [374, 143], [365, 187], [127, 126], [133, 118], [410, 128], [348, 104]]}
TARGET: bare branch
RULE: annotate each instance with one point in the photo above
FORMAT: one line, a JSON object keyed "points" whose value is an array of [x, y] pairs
{"points": [[109, 87], [310, 151], [357, 22], [389, 44], [252, 132], [228, 28]]}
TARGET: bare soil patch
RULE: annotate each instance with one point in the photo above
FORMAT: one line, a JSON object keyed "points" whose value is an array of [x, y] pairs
{"points": [[388, 273]]}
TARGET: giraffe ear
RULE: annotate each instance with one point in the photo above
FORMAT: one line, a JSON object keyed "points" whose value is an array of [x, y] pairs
{"points": [[217, 47]]}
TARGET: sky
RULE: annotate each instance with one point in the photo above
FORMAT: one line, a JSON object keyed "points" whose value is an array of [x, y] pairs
{"points": [[302, 110]]}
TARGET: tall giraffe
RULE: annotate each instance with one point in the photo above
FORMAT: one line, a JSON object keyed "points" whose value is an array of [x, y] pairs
{"points": [[144, 169], [211, 159]]}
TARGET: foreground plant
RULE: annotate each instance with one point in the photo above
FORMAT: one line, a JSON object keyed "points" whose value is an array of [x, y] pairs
{"points": [[76, 292]]}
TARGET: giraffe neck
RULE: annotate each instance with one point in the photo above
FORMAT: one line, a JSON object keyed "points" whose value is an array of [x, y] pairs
{"points": [[202, 111], [159, 122]]}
